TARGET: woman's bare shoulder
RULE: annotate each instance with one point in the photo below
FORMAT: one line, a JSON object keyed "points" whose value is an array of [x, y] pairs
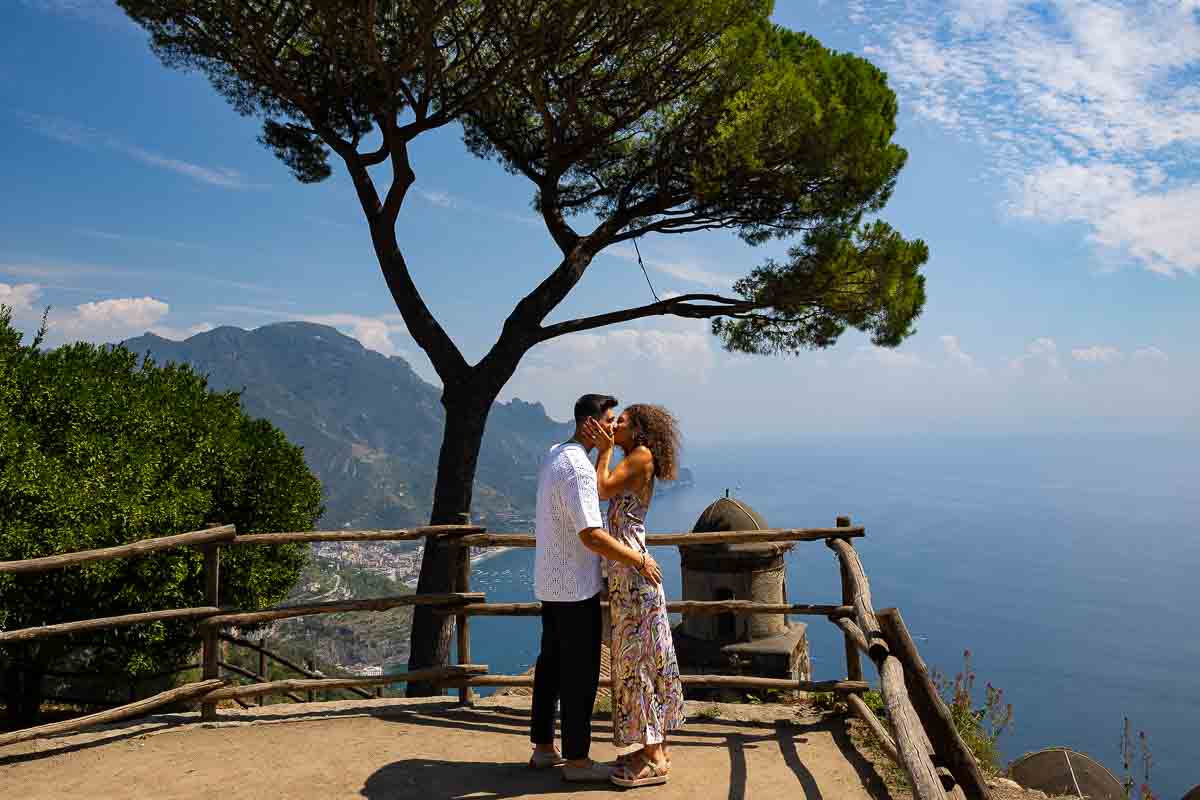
{"points": [[641, 455], [643, 460]]}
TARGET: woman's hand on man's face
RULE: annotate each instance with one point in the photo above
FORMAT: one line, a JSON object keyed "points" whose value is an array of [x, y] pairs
{"points": [[601, 435]]}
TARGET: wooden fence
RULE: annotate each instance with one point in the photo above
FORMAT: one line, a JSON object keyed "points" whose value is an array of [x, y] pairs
{"points": [[925, 743]]}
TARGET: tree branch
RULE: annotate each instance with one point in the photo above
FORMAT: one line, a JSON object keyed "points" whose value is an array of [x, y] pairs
{"points": [[377, 157], [403, 176], [426, 331], [682, 306], [563, 234]]}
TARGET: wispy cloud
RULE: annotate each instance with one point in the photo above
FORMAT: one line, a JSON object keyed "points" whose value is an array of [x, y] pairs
{"points": [[132, 239], [1089, 109], [688, 270], [439, 198], [886, 357], [78, 135], [1150, 354], [1040, 361], [51, 270], [58, 271], [332, 223], [19, 297], [220, 176], [103, 12], [123, 312], [1096, 354], [957, 356], [179, 334]]}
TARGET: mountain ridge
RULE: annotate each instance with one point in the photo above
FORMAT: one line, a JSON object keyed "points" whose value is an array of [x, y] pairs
{"points": [[369, 425]]}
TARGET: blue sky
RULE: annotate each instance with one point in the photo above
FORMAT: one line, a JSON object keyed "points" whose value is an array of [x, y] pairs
{"points": [[1051, 170]]}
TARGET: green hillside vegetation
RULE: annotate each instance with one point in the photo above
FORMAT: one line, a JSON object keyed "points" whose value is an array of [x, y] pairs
{"points": [[361, 638], [327, 642], [97, 449]]}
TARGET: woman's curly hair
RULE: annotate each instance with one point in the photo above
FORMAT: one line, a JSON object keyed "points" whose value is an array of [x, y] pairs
{"points": [[658, 430]]}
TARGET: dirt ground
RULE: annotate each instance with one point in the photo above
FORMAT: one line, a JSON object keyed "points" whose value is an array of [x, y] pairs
{"points": [[429, 749]]}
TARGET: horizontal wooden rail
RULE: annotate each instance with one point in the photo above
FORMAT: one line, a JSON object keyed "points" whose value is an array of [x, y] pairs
{"points": [[341, 606], [132, 550], [371, 535], [683, 539], [750, 607], [435, 674], [675, 607], [100, 623], [186, 692], [725, 681]]}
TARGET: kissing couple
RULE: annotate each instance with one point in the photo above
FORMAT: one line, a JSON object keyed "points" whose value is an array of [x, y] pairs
{"points": [[575, 548]]}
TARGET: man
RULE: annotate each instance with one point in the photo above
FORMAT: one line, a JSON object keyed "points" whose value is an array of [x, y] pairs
{"points": [[571, 540]]}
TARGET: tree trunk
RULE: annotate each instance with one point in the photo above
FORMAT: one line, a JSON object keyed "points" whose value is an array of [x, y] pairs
{"points": [[23, 692], [466, 415]]}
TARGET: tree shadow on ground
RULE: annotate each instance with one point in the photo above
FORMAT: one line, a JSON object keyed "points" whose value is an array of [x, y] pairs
{"points": [[870, 778], [107, 737], [435, 779], [452, 779]]}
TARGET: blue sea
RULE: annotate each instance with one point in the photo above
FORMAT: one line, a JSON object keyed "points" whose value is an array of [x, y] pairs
{"points": [[1067, 566]]}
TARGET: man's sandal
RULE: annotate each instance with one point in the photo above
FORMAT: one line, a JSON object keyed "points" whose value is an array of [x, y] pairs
{"points": [[657, 776]]}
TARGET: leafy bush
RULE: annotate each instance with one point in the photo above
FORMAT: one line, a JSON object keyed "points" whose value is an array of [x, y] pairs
{"points": [[979, 726], [835, 703], [98, 450]]}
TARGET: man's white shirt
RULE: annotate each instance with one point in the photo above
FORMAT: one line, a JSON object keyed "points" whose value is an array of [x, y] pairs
{"points": [[567, 502]]}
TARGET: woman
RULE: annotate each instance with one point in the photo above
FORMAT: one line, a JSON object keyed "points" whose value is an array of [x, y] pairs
{"points": [[647, 692]]}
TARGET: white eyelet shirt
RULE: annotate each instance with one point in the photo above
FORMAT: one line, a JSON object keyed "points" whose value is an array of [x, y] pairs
{"points": [[564, 570]]}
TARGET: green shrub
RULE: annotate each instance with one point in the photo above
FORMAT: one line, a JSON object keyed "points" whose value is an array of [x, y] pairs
{"points": [[979, 726], [834, 703], [98, 450]]}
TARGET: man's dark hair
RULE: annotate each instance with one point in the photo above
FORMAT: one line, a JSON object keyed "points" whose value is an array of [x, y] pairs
{"points": [[593, 405]]}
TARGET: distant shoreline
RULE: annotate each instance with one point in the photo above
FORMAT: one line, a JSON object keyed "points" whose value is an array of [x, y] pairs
{"points": [[489, 553]]}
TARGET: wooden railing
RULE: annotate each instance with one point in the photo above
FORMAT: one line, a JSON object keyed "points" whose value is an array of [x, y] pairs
{"points": [[926, 743]]}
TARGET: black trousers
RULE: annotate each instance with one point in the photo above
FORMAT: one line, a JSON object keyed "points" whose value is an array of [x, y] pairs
{"points": [[567, 672]]}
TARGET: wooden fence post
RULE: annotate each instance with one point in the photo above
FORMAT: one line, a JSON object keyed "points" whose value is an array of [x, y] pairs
{"points": [[853, 662], [211, 655], [262, 668], [462, 622]]}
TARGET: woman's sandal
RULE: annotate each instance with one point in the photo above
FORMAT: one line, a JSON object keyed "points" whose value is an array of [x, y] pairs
{"points": [[657, 775], [623, 759]]}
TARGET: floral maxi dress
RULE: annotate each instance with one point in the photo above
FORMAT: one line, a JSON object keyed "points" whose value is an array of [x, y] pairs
{"points": [[647, 692]]}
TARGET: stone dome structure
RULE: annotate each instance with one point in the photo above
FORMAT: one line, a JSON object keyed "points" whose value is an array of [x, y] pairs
{"points": [[766, 645]]}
